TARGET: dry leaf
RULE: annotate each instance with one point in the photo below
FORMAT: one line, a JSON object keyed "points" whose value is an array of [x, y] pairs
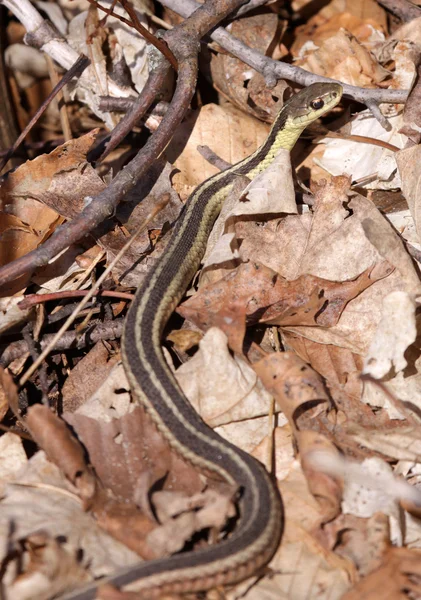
{"points": [[255, 294], [366, 30], [302, 567], [343, 58], [296, 388], [63, 180], [242, 84], [109, 419], [13, 458], [222, 388], [364, 161], [231, 134], [78, 388], [325, 488], [408, 161], [395, 332], [56, 511]]}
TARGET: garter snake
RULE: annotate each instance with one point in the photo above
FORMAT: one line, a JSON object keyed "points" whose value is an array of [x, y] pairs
{"points": [[255, 539]]}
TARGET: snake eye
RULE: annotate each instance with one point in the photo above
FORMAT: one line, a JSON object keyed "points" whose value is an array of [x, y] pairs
{"points": [[317, 104]]}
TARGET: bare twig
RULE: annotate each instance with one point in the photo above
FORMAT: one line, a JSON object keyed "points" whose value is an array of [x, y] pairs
{"points": [[274, 70], [34, 299], [212, 158], [136, 24], [42, 34], [89, 295], [155, 81], [107, 103], [111, 330], [59, 100], [78, 68], [184, 42]]}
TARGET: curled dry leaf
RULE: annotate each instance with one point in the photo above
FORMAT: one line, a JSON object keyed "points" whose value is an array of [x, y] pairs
{"points": [[297, 389], [339, 366], [242, 84], [326, 488], [49, 568], [57, 512], [184, 339], [62, 180], [343, 58], [182, 516], [52, 435], [9, 392], [373, 166], [370, 487], [78, 388]]}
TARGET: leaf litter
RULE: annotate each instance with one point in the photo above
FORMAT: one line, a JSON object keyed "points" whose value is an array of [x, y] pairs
{"points": [[298, 340]]}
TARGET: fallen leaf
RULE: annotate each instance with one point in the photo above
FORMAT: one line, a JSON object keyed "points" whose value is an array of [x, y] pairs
{"points": [[222, 388], [231, 134], [342, 57], [297, 389], [242, 84], [396, 331], [62, 180], [253, 293]]}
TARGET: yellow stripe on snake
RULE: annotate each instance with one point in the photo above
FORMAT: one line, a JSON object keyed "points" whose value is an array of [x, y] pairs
{"points": [[259, 528]]}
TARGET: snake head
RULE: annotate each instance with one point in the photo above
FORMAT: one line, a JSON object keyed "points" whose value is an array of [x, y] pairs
{"points": [[311, 103]]}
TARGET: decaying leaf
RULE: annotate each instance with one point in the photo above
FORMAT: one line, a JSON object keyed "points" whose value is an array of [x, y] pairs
{"points": [[254, 293]]}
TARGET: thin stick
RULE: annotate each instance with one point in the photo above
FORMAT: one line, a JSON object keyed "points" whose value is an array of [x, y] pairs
{"points": [[91, 293], [61, 104], [34, 299], [76, 69], [136, 24]]}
